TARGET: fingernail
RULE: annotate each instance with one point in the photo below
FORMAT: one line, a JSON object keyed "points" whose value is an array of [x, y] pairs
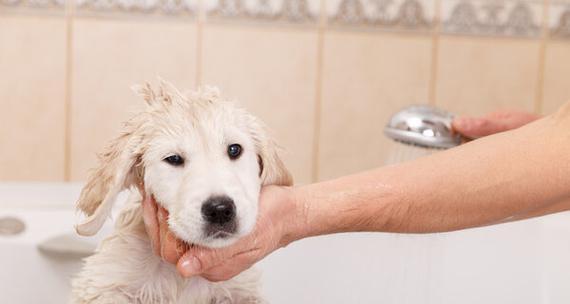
{"points": [[191, 266]]}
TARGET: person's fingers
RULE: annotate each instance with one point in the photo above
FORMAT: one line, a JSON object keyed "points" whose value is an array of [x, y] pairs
{"points": [[223, 273], [513, 119], [199, 260], [169, 246], [164, 243], [151, 222], [475, 127], [231, 268]]}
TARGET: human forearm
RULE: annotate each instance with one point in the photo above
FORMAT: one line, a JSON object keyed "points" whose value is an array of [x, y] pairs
{"points": [[501, 178], [495, 179]]}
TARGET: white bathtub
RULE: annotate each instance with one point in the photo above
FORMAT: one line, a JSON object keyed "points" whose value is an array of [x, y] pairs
{"points": [[30, 275], [525, 262]]}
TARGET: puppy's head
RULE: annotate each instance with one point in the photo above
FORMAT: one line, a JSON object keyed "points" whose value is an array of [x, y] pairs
{"points": [[203, 159]]}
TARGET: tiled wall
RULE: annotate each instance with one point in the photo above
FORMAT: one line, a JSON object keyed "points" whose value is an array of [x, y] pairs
{"points": [[324, 74]]}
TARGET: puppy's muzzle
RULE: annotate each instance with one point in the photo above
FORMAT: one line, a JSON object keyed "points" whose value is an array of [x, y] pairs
{"points": [[219, 213]]}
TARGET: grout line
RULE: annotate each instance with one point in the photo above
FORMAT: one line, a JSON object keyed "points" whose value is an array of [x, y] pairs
{"points": [[199, 36], [432, 90], [69, 12], [539, 98], [318, 94]]}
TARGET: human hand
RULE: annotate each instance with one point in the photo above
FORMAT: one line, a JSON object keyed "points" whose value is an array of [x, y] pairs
{"points": [[275, 228], [475, 127], [164, 243]]}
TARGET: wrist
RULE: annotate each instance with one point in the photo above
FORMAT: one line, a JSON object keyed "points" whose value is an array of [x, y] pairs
{"points": [[295, 224]]}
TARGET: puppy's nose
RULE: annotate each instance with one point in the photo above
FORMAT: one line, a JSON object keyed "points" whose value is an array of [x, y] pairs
{"points": [[219, 210]]}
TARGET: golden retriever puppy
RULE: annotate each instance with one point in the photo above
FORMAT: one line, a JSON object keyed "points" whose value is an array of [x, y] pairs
{"points": [[205, 161]]}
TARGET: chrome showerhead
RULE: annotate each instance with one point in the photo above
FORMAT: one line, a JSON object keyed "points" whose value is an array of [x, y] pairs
{"points": [[424, 126]]}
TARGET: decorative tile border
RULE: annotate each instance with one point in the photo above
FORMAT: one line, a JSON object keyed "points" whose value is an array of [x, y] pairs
{"points": [[50, 4], [518, 18], [290, 11], [498, 18], [411, 15], [559, 21], [168, 7]]}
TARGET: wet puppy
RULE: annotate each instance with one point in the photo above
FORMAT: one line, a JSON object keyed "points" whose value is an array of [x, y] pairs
{"points": [[205, 161]]}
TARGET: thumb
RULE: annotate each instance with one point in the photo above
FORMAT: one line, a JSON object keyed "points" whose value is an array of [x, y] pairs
{"points": [[198, 259], [477, 127], [189, 265]]}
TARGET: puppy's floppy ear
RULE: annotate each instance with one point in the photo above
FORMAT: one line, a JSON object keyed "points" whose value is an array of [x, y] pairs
{"points": [[272, 169], [117, 170]]}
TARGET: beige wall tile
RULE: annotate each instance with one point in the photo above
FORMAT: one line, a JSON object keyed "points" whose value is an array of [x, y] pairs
{"points": [[366, 78], [272, 73], [110, 56], [478, 75], [32, 97], [556, 76]]}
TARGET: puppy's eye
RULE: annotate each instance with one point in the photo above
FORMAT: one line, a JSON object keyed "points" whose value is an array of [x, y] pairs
{"points": [[234, 151], [175, 160]]}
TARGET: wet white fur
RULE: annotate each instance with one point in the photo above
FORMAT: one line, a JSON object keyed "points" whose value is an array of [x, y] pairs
{"points": [[198, 126]]}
